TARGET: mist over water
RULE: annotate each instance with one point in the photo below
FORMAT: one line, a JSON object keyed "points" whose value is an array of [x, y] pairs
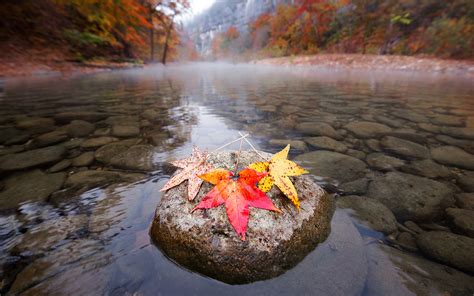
{"points": [[97, 241]]}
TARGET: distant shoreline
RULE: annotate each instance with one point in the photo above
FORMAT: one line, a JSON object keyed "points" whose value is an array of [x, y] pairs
{"points": [[61, 68], [375, 62], [34, 68]]}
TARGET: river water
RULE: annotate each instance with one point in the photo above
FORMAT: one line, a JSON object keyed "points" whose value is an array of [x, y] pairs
{"points": [[82, 160]]}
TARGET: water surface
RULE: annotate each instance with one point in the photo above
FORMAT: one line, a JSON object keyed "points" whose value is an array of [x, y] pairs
{"points": [[95, 240]]}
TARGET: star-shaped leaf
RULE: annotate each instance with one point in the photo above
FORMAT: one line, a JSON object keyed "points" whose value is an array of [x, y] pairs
{"points": [[237, 196], [279, 170], [190, 169]]}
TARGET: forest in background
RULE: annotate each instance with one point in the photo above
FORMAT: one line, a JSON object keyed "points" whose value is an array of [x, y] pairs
{"points": [[442, 29], [82, 30], [146, 31]]}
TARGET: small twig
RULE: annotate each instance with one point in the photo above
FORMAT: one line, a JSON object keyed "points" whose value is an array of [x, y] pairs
{"points": [[253, 147], [238, 157], [223, 146]]}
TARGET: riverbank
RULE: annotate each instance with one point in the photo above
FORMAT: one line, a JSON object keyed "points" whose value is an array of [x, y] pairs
{"points": [[376, 62], [41, 62]]}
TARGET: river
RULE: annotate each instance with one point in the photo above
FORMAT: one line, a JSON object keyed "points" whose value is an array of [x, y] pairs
{"points": [[82, 160]]}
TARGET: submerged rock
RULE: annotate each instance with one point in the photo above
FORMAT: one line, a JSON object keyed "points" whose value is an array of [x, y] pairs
{"points": [[393, 272], [384, 162], [467, 145], [32, 158], [89, 116], [11, 149], [334, 165], [458, 132], [465, 201], [448, 120], [367, 129], [318, 129], [62, 165], [356, 187], [461, 221], [50, 138], [36, 124], [125, 131], [370, 213], [45, 236], [295, 144], [407, 241], [137, 157], [205, 241], [466, 182], [54, 273], [34, 185], [78, 128], [85, 159], [449, 248], [8, 133], [411, 197], [411, 116], [427, 168], [404, 148], [89, 179], [326, 143], [98, 142], [453, 156]]}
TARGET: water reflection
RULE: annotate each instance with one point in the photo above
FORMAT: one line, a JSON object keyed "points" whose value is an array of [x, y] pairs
{"points": [[90, 234]]}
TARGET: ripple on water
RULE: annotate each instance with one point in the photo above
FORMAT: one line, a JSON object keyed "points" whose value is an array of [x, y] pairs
{"points": [[84, 159]]}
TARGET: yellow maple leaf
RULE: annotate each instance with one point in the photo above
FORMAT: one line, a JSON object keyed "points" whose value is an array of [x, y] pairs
{"points": [[279, 170]]}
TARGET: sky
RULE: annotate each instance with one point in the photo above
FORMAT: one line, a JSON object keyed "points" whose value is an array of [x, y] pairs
{"points": [[200, 5], [197, 6]]}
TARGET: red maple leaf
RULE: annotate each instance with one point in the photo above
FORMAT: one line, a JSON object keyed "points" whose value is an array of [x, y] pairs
{"points": [[237, 196]]}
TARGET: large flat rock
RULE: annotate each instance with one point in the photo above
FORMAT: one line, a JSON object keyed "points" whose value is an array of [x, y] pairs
{"points": [[204, 241]]}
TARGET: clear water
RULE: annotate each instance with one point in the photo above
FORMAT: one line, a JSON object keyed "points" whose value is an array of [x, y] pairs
{"points": [[97, 242]]}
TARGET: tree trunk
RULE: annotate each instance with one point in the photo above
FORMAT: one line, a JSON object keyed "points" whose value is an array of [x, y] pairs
{"points": [[152, 40], [388, 39], [152, 45], [168, 35]]}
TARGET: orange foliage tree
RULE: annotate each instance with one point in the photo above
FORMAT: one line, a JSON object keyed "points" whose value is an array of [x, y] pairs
{"points": [[441, 28], [226, 44], [112, 29]]}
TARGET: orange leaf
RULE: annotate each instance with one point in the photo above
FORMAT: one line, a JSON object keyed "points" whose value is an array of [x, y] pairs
{"points": [[237, 196]]}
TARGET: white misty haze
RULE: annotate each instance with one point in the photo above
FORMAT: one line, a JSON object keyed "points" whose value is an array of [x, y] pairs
{"points": [[197, 6]]}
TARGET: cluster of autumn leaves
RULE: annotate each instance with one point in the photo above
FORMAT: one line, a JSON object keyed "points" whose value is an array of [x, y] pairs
{"points": [[248, 190]]}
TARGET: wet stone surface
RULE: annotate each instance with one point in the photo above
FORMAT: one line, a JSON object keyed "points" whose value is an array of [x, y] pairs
{"points": [[90, 153], [205, 242], [411, 197]]}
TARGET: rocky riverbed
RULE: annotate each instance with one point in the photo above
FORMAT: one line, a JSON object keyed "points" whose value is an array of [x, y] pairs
{"points": [[73, 150], [81, 164]]}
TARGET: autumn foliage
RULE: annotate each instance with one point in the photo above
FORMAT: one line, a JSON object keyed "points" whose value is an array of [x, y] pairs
{"points": [[226, 43], [93, 28], [236, 195], [429, 27]]}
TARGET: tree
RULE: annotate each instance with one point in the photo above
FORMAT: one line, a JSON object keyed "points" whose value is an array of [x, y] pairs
{"points": [[166, 13]]}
